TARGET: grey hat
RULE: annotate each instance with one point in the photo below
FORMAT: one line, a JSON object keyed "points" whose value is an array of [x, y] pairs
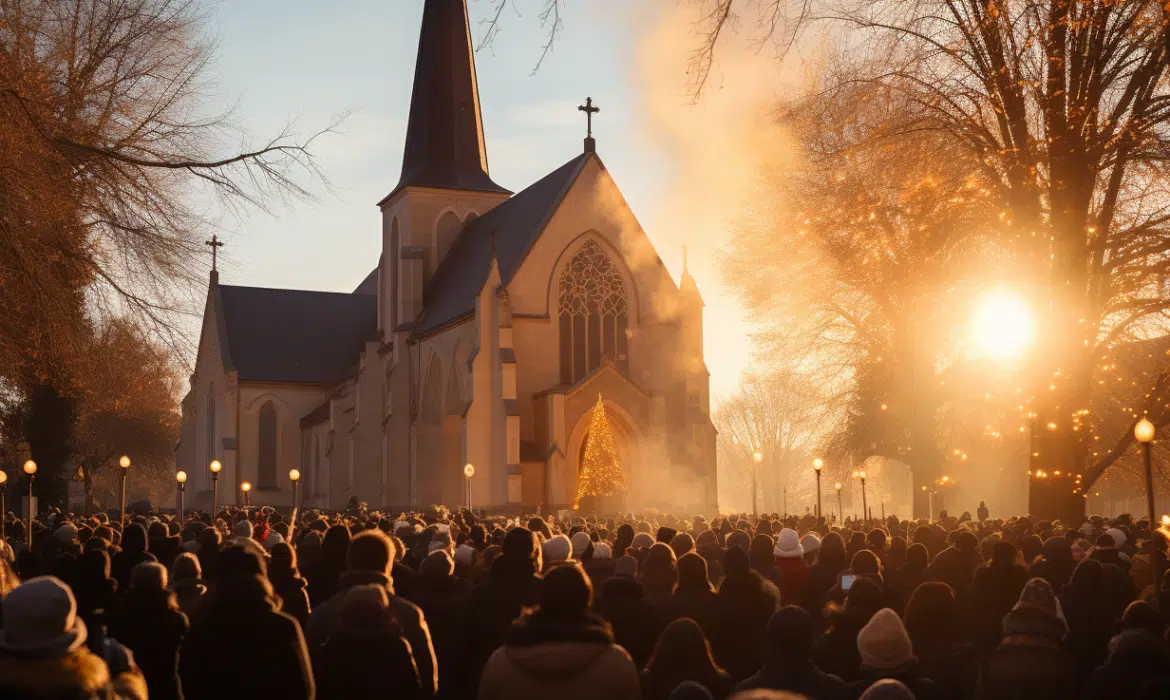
{"points": [[40, 620]]}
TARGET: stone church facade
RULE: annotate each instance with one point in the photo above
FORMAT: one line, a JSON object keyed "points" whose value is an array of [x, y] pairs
{"points": [[484, 336]]}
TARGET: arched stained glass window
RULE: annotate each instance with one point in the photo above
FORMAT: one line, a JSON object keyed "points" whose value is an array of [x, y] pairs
{"points": [[594, 314]]}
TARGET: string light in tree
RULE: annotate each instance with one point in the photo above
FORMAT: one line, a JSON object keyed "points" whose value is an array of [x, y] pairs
{"points": [[601, 474]]}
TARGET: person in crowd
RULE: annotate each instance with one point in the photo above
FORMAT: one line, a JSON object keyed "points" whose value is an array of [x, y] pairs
{"points": [[367, 656], [94, 591], [241, 640], [148, 622], [932, 620], [371, 556], [955, 565], [559, 650], [287, 583], [187, 584], [659, 574], [788, 665], [746, 602], [1055, 563], [1090, 625], [836, 652], [822, 575], [440, 597], [793, 571], [994, 593], [322, 576], [622, 603], [694, 597], [1029, 663], [887, 652], [43, 652], [683, 654], [134, 552]]}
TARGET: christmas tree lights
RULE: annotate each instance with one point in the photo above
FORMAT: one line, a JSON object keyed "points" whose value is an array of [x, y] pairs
{"points": [[601, 474]]}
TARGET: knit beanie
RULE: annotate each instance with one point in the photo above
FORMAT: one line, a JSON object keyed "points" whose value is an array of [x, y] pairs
{"points": [[580, 543], [243, 530], [601, 550], [465, 555], [642, 540], [811, 543], [888, 689], [788, 545], [556, 549], [626, 567], [1118, 537], [40, 620], [65, 534], [884, 644], [437, 563]]}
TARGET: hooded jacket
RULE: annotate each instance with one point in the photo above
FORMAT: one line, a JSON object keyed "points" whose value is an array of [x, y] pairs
{"points": [[78, 674], [566, 662]]}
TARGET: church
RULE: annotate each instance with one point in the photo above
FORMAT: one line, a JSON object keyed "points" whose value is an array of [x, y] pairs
{"points": [[491, 325]]}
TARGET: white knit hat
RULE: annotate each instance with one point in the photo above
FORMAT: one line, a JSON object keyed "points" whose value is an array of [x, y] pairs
{"points": [[811, 542], [465, 555], [580, 543], [556, 549], [1118, 537], [601, 550], [788, 544], [884, 644]]}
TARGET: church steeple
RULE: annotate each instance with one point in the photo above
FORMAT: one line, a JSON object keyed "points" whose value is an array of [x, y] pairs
{"points": [[444, 139]]}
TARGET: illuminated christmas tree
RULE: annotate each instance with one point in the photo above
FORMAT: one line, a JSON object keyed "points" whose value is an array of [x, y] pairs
{"points": [[601, 474]]}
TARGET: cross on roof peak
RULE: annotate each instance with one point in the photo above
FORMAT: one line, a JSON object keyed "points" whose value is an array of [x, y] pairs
{"points": [[589, 110], [215, 244]]}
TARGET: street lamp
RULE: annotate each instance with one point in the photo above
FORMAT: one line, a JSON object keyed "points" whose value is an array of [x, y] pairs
{"points": [[30, 468], [864, 504], [294, 475], [840, 508], [246, 487], [181, 477], [468, 472], [124, 463], [757, 458], [818, 465], [3, 510], [1144, 432], [215, 466]]}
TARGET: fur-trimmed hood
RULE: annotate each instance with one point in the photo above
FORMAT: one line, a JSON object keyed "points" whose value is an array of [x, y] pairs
{"points": [[77, 674], [556, 651]]}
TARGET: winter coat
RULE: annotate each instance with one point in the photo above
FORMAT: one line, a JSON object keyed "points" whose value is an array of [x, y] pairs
{"points": [[490, 609], [79, 675], [1029, 665], [745, 604], [701, 605], [189, 595], [1056, 564], [794, 575], [635, 623], [134, 552], [241, 642], [836, 652], [326, 618], [367, 663], [797, 677], [1134, 659], [149, 624], [822, 578], [992, 595], [953, 665], [922, 687], [955, 567], [294, 598], [440, 598], [657, 685], [560, 661], [1090, 624]]}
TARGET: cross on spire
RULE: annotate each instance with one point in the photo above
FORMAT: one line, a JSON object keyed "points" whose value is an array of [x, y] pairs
{"points": [[589, 110], [215, 244]]}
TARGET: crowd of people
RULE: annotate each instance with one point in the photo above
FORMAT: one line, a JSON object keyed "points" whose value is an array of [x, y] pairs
{"points": [[248, 603]]}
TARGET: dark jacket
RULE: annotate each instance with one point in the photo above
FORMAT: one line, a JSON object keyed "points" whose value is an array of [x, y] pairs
{"points": [[441, 600], [955, 567], [745, 604], [699, 604], [294, 597], [636, 623], [922, 687], [365, 658], [991, 596], [242, 642], [189, 595], [1090, 623], [490, 609], [798, 677], [658, 684], [134, 552], [836, 652], [1029, 663], [149, 624], [1135, 657], [326, 618], [79, 675]]}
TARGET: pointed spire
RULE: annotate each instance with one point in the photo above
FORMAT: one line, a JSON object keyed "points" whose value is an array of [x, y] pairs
{"points": [[686, 283], [444, 139]]}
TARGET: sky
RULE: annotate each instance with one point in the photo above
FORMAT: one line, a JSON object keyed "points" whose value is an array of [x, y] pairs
{"points": [[307, 62]]}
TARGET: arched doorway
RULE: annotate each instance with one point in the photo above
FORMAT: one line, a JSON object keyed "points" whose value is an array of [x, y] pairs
{"points": [[627, 440]]}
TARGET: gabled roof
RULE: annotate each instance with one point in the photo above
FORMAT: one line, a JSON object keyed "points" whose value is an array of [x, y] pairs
{"points": [[516, 224], [444, 138], [370, 284], [289, 335]]}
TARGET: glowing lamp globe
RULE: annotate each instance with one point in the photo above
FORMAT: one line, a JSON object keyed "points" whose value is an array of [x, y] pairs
{"points": [[30, 467], [124, 462], [181, 477], [818, 464], [1144, 431], [757, 457], [246, 486], [469, 470], [294, 474], [838, 486], [1166, 521], [3, 477], [215, 466]]}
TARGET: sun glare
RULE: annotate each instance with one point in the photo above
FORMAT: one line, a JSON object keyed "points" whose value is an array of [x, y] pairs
{"points": [[1003, 325]]}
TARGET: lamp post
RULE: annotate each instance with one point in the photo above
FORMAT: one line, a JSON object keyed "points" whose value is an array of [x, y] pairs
{"points": [[124, 463], [30, 468], [840, 508], [1144, 432], [215, 466], [864, 503], [246, 487], [3, 510], [181, 478], [818, 465], [756, 458], [294, 476], [468, 472]]}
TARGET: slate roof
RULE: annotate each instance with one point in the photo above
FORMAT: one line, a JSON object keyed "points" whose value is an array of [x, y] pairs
{"points": [[289, 335], [444, 137], [370, 284], [516, 223]]}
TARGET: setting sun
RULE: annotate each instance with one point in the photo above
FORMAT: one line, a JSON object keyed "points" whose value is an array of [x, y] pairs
{"points": [[1003, 325]]}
